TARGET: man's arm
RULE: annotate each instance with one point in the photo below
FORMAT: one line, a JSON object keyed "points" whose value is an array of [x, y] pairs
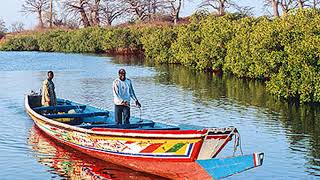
{"points": [[115, 90], [133, 95], [45, 91]]}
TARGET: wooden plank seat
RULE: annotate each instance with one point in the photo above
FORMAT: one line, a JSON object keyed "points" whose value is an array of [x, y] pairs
{"points": [[121, 126], [161, 128], [59, 108], [77, 115]]}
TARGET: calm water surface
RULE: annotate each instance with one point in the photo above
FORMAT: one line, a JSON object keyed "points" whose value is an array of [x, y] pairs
{"points": [[288, 134]]}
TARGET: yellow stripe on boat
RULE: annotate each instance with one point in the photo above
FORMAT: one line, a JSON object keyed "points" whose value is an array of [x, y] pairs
{"points": [[182, 150]]}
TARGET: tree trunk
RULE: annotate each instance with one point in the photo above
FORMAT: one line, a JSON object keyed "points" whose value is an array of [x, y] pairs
{"points": [[222, 7], [51, 9], [284, 7], [84, 18], [40, 19], [96, 20], [300, 4], [177, 12], [275, 7]]}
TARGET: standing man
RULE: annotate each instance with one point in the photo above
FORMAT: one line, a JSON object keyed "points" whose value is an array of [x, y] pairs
{"points": [[122, 93], [48, 94]]}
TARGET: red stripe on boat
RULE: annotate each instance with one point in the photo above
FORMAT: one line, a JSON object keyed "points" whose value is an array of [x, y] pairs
{"points": [[152, 131], [217, 136], [254, 160], [151, 148]]}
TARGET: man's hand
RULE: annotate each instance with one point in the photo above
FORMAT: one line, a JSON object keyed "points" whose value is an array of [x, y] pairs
{"points": [[124, 103], [138, 104]]}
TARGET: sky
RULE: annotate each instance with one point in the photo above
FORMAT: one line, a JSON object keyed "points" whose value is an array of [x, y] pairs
{"points": [[10, 11]]}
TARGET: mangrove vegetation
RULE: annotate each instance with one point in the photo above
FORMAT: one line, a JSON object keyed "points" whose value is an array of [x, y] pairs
{"points": [[283, 51]]}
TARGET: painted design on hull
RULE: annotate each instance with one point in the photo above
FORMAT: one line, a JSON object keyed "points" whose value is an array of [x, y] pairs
{"points": [[156, 148]]}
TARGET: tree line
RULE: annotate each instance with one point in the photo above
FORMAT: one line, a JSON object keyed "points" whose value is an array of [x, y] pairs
{"points": [[87, 13], [105, 12]]}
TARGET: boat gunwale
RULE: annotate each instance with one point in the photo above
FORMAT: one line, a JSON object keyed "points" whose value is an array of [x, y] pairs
{"points": [[179, 134]]}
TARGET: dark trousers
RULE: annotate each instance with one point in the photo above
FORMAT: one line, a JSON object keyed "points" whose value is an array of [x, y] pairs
{"points": [[118, 111]]}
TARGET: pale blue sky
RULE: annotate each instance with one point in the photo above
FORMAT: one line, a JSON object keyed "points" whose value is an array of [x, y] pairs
{"points": [[10, 11]]}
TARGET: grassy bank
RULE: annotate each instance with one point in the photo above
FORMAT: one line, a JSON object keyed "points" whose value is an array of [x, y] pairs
{"points": [[283, 52]]}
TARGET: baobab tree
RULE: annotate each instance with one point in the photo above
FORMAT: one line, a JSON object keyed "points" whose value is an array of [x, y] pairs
{"points": [[111, 10], [94, 14], [78, 7], [301, 3], [286, 6], [275, 6], [219, 5], [138, 8], [315, 4], [37, 7], [175, 9]]}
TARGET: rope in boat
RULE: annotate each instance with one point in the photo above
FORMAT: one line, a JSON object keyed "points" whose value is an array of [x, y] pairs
{"points": [[140, 110], [237, 143]]}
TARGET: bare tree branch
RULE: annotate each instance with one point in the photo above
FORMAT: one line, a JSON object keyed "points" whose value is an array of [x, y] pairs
{"points": [[76, 8], [111, 10], [35, 6], [17, 27]]}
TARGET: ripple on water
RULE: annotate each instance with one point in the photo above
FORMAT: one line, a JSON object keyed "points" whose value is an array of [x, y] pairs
{"points": [[175, 96]]}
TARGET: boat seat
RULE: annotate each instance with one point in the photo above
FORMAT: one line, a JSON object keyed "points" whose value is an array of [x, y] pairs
{"points": [[121, 126], [159, 128], [77, 115], [59, 108]]}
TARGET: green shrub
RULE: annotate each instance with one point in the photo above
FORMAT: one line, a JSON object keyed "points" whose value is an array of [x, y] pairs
{"points": [[22, 43], [157, 44]]}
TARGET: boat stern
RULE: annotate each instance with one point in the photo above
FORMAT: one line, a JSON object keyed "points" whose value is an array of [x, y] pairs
{"points": [[222, 167], [214, 141]]}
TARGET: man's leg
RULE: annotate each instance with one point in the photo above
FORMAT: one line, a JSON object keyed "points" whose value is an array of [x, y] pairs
{"points": [[118, 114], [126, 114]]}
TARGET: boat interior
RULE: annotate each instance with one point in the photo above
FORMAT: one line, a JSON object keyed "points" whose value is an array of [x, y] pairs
{"points": [[90, 117]]}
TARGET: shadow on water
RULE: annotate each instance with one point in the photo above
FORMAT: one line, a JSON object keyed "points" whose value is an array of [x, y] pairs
{"points": [[67, 163]]}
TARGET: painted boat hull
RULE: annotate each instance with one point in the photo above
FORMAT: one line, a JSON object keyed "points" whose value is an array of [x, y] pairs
{"points": [[174, 154]]}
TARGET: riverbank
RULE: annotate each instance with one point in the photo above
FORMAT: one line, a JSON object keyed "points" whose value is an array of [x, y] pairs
{"points": [[283, 52]]}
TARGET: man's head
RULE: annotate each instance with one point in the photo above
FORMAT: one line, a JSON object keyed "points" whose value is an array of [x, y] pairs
{"points": [[50, 75], [122, 74]]}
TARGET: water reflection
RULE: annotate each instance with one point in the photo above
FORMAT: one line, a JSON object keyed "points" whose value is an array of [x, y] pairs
{"points": [[67, 163], [301, 122]]}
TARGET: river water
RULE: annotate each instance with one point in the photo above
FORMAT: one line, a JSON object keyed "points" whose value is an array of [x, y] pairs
{"points": [[289, 135]]}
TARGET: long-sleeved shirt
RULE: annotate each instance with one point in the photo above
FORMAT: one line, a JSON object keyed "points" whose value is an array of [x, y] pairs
{"points": [[123, 91], [48, 93]]}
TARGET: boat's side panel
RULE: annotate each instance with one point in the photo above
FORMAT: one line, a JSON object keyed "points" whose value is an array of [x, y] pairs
{"points": [[168, 169], [219, 168], [170, 149]]}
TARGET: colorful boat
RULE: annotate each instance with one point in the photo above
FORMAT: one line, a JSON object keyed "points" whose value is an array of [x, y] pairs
{"points": [[175, 152]]}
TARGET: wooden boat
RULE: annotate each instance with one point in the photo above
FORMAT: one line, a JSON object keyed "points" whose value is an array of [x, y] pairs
{"points": [[175, 152]]}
